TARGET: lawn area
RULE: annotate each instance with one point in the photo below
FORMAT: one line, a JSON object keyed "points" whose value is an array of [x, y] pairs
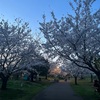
{"points": [[22, 90], [85, 89]]}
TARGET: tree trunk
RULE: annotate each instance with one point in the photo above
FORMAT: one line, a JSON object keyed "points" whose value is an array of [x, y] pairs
{"points": [[91, 78], [4, 83], [75, 80], [46, 77], [98, 76], [31, 77]]}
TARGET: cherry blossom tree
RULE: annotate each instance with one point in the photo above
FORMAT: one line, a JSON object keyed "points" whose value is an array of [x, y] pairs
{"points": [[41, 65], [37, 60], [16, 45], [76, 37], [75, 71]]}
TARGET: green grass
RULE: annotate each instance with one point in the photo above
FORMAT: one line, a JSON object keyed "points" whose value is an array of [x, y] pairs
{"points": [[25, 92], [85, 89]]}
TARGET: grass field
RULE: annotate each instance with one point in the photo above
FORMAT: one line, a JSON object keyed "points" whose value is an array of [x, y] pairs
{"points": [[85, 89], [22, 90]]}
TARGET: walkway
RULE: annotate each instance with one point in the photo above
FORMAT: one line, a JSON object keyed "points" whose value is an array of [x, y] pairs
{"points": [[58, 91]]}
